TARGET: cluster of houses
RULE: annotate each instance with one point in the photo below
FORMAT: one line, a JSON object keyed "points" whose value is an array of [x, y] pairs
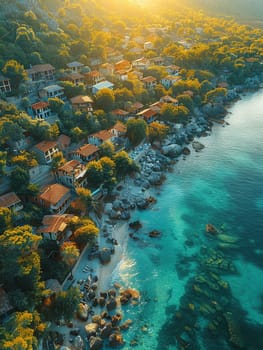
{"points": [[58, 193]]}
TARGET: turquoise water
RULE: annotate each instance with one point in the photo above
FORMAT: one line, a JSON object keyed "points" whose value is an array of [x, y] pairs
{"points": [[221, 185]]}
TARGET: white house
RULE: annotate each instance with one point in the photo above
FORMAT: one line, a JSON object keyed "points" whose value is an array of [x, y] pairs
{"points": [[102, 85]]}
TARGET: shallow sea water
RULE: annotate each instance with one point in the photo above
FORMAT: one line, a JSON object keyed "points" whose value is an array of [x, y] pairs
{"points": [[221, 185]]}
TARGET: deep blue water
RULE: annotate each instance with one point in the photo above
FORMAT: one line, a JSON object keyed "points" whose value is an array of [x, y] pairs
{"points": [[221, 185]]}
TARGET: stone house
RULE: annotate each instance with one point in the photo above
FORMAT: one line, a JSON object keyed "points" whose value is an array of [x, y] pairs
{"points": [[148, 114], [11, 201], [86, 153], [99, 137], [41, 72], [55, 227], [46, 151], [82, 103], [52, 91], [55, 197], [149, 82], [40, 110], [75, 66], [72, 174]]}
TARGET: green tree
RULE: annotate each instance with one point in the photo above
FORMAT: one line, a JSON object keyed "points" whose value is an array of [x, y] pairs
{"points": [[69, 253], [57, 160], [3, 156], [15, 71], [24, 160], [123, 95], [136, 130], [5, 219], [19, 332], [105, 99], [186, 101], [109, 174], [106, 149], [124, 164], [215, 95], [56, 104], [65, 304], [157, 131], [86, 233], [19, 179], [85, 197], [94, 174]]}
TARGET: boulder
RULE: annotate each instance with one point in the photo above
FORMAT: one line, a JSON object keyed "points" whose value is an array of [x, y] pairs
{"points": [[95, 343], [211, 229], [91, 328], [186, 151], [106, 330], [111, 304], [125, 215], [105, 255], [154, 233], [197, 146], [115, 340], [172, 150], [83, 312]]}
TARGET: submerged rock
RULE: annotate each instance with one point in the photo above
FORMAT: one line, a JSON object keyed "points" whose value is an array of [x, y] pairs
{"points": [[197, 146]]}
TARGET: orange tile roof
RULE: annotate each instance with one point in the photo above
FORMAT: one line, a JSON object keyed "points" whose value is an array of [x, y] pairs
{"points": [[53, 193], [39, 105], [119, 112], [81, 99], [54, 223], [70, 166], [87, 150], [9, 199], [119, 127], [148, 79], [168, 99], [94, 74], [46, 145], [103, 135], [147, 113]]}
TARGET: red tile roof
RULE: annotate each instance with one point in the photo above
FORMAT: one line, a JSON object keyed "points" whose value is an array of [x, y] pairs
{"points": [[103, 135], [87, 150], [39, 105], [53, 193], [148, 79], [9, 199], [70, 166], [119, 127], [64, 140], [147, 113], [54, 223], [46, 145], [119, 112]]}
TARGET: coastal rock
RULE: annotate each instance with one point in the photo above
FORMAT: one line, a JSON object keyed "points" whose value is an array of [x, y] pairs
{"points": [[91, 329], [106, 330], [116, 340], [101, 301], [116, 319], [214, 110], [83, 312], [211, 229], [186, 151], [125, 215], [105, 255], [197, 146], [126, 324], [135, 225], [111, 304], [78, 343], [95, 343], [154, 233], [172, 150]]}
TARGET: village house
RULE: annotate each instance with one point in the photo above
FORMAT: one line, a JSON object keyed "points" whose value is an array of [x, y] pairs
{"points": [[99, 137], [121, 75], [40, 110], [46, 151], [74, 78], [82, 103], [52, 91], [93, 77], [86, 153], [141, 63], [169, 80], [148, 114], [11, 201], [5, 85], [106, 69], [169, 99], [123, 65], [135, 74], [44, 72], [102, 85], [75, 66], [149, 82], [120, 114], [134, 108], [55, 197], [118, 130], [72, 174], [173, 70], [156, 106], [137, 51], [158, 61], [55, 227]]}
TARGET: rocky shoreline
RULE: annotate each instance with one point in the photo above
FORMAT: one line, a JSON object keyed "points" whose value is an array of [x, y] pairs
{"points": [[104, 305]]}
